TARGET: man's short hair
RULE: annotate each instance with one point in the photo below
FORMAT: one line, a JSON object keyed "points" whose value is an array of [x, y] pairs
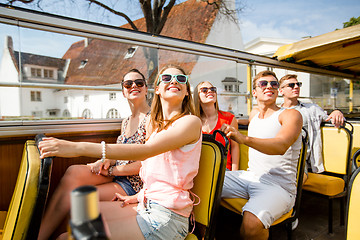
{"points": [[263, 74], [287, 77]]}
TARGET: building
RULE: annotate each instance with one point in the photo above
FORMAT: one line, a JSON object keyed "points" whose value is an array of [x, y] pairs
{"points": [[94, 62], [34, 102]]}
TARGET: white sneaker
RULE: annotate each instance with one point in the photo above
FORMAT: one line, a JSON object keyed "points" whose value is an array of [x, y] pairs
{"points": [[294, 224]]}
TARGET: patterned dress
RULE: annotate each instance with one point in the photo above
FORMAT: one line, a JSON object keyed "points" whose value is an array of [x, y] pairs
{"points": [[138, 138]]}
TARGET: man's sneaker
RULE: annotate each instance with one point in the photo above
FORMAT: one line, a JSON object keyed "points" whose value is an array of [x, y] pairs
{"points": [[294, 224]]}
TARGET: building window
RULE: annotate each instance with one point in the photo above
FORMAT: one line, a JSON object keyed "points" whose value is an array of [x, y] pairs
{"points": [[66, 113], [86, 114], [86, 98], [112, 96], [83, 63], [35, 96], [112, 113], [48, 73], [130, 52], [66, 99], [228, 88], [52, 113], [36, 72]]}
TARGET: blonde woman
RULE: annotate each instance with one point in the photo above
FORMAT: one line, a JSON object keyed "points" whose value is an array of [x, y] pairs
{"points": [[170, 161]]}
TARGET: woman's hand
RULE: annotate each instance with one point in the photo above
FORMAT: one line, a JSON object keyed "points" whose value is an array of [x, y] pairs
{"points": [[100, 167], [51, 147], [126, 199]]}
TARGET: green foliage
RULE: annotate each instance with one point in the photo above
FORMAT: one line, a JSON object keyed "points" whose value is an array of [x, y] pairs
{"points": [[353, 21]]}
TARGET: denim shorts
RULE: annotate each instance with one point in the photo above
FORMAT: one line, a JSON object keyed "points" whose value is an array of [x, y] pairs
{"points": [[125, 184], [158, 222]]}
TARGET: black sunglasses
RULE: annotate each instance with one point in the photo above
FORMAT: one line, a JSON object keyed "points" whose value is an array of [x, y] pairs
{"points": [[129, 83], [166, 78], [292, 85], [263, 84], [206, 89]]}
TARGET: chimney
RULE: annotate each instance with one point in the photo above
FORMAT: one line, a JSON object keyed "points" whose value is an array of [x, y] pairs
{"points": [[9, 43]]}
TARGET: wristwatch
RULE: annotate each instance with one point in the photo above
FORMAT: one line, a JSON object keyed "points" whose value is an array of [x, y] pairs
{"points": [[110, 170]]}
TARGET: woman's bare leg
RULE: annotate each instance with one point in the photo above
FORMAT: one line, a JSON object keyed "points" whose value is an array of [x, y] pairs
{"points": [[59, 205], [121, 221]]}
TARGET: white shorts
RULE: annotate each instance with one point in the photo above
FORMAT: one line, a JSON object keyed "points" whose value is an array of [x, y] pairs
{"points": [[266, 201]]}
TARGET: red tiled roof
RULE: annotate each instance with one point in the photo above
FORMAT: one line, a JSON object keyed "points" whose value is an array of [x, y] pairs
{"points": [[191, 20], [74, 50]]}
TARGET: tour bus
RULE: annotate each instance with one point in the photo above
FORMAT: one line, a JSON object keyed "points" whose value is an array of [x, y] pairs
{"points": [[78, 97]]}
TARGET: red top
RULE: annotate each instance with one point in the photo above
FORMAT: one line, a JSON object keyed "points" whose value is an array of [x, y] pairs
{"points": [[223, 117]]}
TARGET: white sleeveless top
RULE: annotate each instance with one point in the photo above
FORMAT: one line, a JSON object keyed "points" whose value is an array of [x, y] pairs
{"points": [[275, 169]]}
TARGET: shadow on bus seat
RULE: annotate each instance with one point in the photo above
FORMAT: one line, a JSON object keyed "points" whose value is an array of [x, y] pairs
{"points": [[333, 183], [208, 185], [236, 204], [353, 207], [22, 220]]}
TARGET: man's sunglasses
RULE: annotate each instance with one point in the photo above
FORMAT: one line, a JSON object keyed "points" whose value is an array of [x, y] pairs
{"points": [[206, 89], [129, 83], [292, 85], [166, 78], [263, 84]]}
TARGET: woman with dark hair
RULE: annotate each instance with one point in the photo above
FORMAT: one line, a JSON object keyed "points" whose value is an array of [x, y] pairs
{"points": [[108, 176]]}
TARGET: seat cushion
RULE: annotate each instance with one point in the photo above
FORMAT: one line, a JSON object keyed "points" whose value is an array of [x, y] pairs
{"points": [[234, 204], [191, 236], [324, 184]]}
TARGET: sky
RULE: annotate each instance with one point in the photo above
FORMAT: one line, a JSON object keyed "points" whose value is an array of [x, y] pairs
{"points": [[289, 19]]}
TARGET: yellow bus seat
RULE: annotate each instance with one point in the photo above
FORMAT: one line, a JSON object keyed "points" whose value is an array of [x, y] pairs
{"points": [[337, 144], [356, 143], [236, 204], [208, 185], [244, 152], [356, 160], [353, 207], [27, 204], [324, 184]]}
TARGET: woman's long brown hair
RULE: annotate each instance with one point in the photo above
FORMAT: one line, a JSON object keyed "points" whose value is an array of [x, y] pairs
{"points": [[157, 119], [197, 103]]}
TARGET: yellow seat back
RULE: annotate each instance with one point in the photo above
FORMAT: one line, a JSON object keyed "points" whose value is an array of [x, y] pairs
{"points": [[244, 153], [208, 183], [353, 208], [336, 149], [24, 196], [29, 196]]}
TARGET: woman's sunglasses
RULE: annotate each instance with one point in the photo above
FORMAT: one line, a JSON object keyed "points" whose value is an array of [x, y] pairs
{"points": [[263, 84], [292, 85], [206, 89], [129, 83], [166, 78]]}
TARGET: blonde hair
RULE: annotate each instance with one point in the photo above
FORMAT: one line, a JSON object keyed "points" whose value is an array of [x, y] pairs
{"points": [[157, 118], [287, 77], [198, 109]]}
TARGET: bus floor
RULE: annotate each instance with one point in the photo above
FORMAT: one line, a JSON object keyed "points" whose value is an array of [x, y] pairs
{"points": [[313, 222]]}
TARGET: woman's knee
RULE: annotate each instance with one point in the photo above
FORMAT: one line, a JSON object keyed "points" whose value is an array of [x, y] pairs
{"points": [[75, 174]]}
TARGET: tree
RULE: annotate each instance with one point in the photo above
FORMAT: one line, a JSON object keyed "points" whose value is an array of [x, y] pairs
{"points": [[353, 21], [155, 13]]}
